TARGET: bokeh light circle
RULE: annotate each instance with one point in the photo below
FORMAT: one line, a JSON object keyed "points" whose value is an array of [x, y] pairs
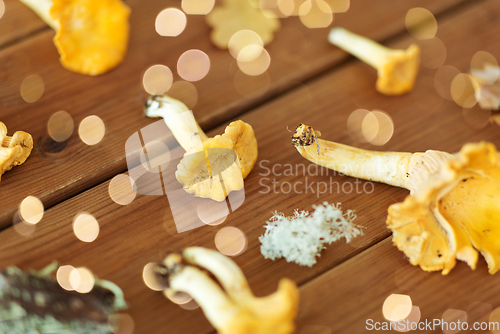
{"points": [[410, 322], [157, 79], [397, 307], [211, 214], [254, 67], [354, 124], [377, 127], [31, 210], [184, 91], [193, 65], [315, 14], [21, 227], [2, 8], [91, 130], [170, 22], [432, 53], [443, 79], [453, 316], [60, 126], [81, 280], [121, 323], [421, 23], [177, 297], [149, 277], [85, 227], [231, 241], [481, 61], [495, 318], [462, 90], [121, 189], [63, 277], [197, 7], [32, 88], [191, 305], [242, 39]]}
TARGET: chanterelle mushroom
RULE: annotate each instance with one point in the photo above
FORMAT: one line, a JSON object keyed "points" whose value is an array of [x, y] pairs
{"points": [[13, 150], [397, 69], [232, 309], [91, 35], [454, 204], [210, 168]]}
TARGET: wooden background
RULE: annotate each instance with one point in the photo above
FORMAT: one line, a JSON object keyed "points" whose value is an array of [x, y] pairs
{"points": [[310, 81]]}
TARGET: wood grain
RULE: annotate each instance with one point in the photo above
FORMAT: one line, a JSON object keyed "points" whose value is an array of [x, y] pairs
{"points": [[57, 172], [346, 297], [18, 22], [144, 231]]}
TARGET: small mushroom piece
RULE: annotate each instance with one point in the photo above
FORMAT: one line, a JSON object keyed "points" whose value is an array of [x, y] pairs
{"points": [[13, 150], [454, 203], [487, 86], [237, 15], [396, 69], [231, 306], [211, 167], [91, 35]]}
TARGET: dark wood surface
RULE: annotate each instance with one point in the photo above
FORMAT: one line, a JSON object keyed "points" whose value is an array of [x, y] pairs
{"points": [[312, 82]]}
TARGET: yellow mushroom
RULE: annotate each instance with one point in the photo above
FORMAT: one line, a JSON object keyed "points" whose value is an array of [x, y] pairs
{"points": [[91, 35], [13, 150], [454, 204], [396, 69], [211, 167], [231, 306]]}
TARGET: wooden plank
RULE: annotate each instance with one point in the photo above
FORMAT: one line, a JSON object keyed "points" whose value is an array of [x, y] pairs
{"points": [[117, 96], [144, 231], [349, 298], [17, 22]]}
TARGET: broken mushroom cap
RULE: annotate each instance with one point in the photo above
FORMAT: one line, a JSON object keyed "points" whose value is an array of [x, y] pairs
{"points": [[397, 69], [211, 170], [91, 36], [244, 144], [13, 150], [231, 306], [219, 166], [211, 167], [462, 199], [454, 200]]}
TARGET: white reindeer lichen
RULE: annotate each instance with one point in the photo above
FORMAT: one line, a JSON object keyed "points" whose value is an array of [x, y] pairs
{"points": [[300, 238]]}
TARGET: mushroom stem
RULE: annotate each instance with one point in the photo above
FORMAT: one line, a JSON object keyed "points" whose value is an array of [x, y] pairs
{"points": [[232, 309], [387, 167], [396, 69], [226, 271], [369, 51], [42, 9], [216, 305], [179, 119], [400, 169]]}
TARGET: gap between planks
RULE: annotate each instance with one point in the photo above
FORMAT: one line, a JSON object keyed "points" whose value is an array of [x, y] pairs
{"points": [[253, 104]]}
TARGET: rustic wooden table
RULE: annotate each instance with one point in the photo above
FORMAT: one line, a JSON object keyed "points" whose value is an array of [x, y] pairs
{"points": [[308, 81]]}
